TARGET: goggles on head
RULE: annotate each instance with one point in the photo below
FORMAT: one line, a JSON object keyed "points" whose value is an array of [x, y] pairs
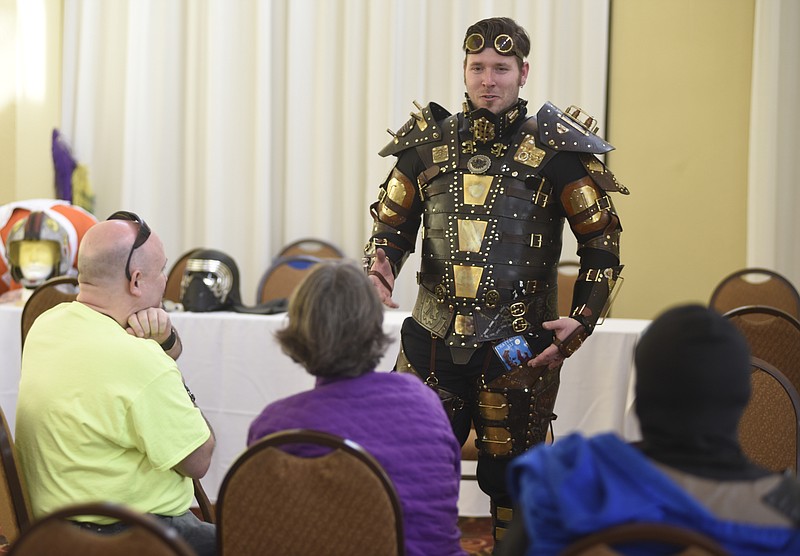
{"points": [[503, 44]]}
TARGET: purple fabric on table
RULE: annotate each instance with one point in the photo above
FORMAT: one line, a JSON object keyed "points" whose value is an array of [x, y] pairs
{"points": [[400, 422], [64, 165]]}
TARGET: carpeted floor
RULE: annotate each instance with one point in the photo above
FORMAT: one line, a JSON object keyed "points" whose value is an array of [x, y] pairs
{"points": [[476, 535]]}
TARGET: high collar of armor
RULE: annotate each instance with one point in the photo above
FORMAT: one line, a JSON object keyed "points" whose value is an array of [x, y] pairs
{"points": [[487, 126]]}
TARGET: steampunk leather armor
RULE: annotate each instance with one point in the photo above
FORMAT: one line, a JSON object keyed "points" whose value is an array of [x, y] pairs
{"points": [[492, 220], [492, 223]]}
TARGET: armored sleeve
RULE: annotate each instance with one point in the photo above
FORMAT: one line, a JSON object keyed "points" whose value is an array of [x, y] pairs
{"points": [[582, 186], [397, 213]]}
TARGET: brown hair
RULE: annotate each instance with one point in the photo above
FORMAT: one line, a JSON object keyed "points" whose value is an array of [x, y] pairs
{"points": [[335, 322], [490, 28]]}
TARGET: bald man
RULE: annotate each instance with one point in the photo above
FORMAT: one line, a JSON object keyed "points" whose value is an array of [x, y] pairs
{"points": [[103, 412]]}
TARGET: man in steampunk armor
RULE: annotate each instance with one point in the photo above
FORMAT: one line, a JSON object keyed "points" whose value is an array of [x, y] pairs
{"points": [[491, 187]]}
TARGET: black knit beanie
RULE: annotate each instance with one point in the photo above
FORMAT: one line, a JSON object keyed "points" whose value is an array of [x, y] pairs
{"points": [[692, 384]]}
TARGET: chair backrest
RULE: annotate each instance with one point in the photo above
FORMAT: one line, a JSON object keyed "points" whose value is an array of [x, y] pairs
{"points": [[283, 276], [172, 292], [755, 286], [567, 275], [769, 431], [313, 247], [15, 509], [47, 295], [56, 535], [773, 336], [339, 503], [685, 541]]}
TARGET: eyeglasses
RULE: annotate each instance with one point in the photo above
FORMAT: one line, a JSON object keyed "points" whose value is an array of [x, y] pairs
{"points": [[503, 44], [141, 235]]}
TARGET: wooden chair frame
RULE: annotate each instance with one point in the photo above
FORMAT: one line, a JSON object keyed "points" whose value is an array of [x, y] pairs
{"points": [[54, 287], [311, 246], [754, 293], [600, 542], [152, 534], [316, 439], [793, 397], [781, 351], [17, 502], [264, 295]]}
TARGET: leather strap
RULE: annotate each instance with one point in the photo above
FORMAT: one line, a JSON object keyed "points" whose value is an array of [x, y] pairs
{"points": [[380, 277], [571, 343]]}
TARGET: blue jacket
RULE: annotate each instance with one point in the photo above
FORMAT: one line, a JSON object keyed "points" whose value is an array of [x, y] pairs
{"points": [[579, 485]]}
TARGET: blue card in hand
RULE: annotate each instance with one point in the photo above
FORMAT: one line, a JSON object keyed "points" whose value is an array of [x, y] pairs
{"points": [[514, 352]]}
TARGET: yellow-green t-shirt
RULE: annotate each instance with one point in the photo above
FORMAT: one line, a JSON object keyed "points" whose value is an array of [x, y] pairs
{"points": [[102, 416]]}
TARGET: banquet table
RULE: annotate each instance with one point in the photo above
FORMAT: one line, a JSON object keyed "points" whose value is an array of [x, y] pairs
{"points": [[234, 366]]}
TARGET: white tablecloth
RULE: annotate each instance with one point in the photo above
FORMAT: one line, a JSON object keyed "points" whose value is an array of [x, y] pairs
{"points": [[234, 367]]}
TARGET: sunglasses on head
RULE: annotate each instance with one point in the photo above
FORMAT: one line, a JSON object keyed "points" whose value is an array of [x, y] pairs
{"points": [[141, 235]]}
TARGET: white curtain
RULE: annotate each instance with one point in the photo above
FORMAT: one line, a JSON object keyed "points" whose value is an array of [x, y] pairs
{"points": [[774, 165], [241, 125]]}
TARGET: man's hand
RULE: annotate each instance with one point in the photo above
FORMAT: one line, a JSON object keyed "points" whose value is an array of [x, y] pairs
{"points": [[150, 323], [551, 356], [381, 266], [154, 323]]}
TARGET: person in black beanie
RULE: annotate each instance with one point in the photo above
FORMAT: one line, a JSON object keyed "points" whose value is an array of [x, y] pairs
{"points": [[692, 387]]}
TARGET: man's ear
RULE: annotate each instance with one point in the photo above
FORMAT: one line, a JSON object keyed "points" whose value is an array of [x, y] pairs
{"points": [[523, 78], [133, 285]]}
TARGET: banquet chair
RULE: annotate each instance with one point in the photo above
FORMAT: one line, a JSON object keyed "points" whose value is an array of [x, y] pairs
{"points": [[769, 431], [283, 276], [772, 335], [294, 504], [56, 535], [175, 275], [685, 541], [313, 247], [755, 286], [63, 288], [567, 275], [47, 295], [15, 509]]}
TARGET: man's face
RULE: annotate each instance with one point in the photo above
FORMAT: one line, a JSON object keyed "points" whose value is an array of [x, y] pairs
{"points": [[493, 80], [154, 273]]}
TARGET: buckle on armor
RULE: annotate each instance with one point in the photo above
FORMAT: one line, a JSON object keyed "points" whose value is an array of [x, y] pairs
{"points": [[603, 203], [492, 297], [518, 309], [519, 325], [541, 199], [536, 241], [380, 241]]}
